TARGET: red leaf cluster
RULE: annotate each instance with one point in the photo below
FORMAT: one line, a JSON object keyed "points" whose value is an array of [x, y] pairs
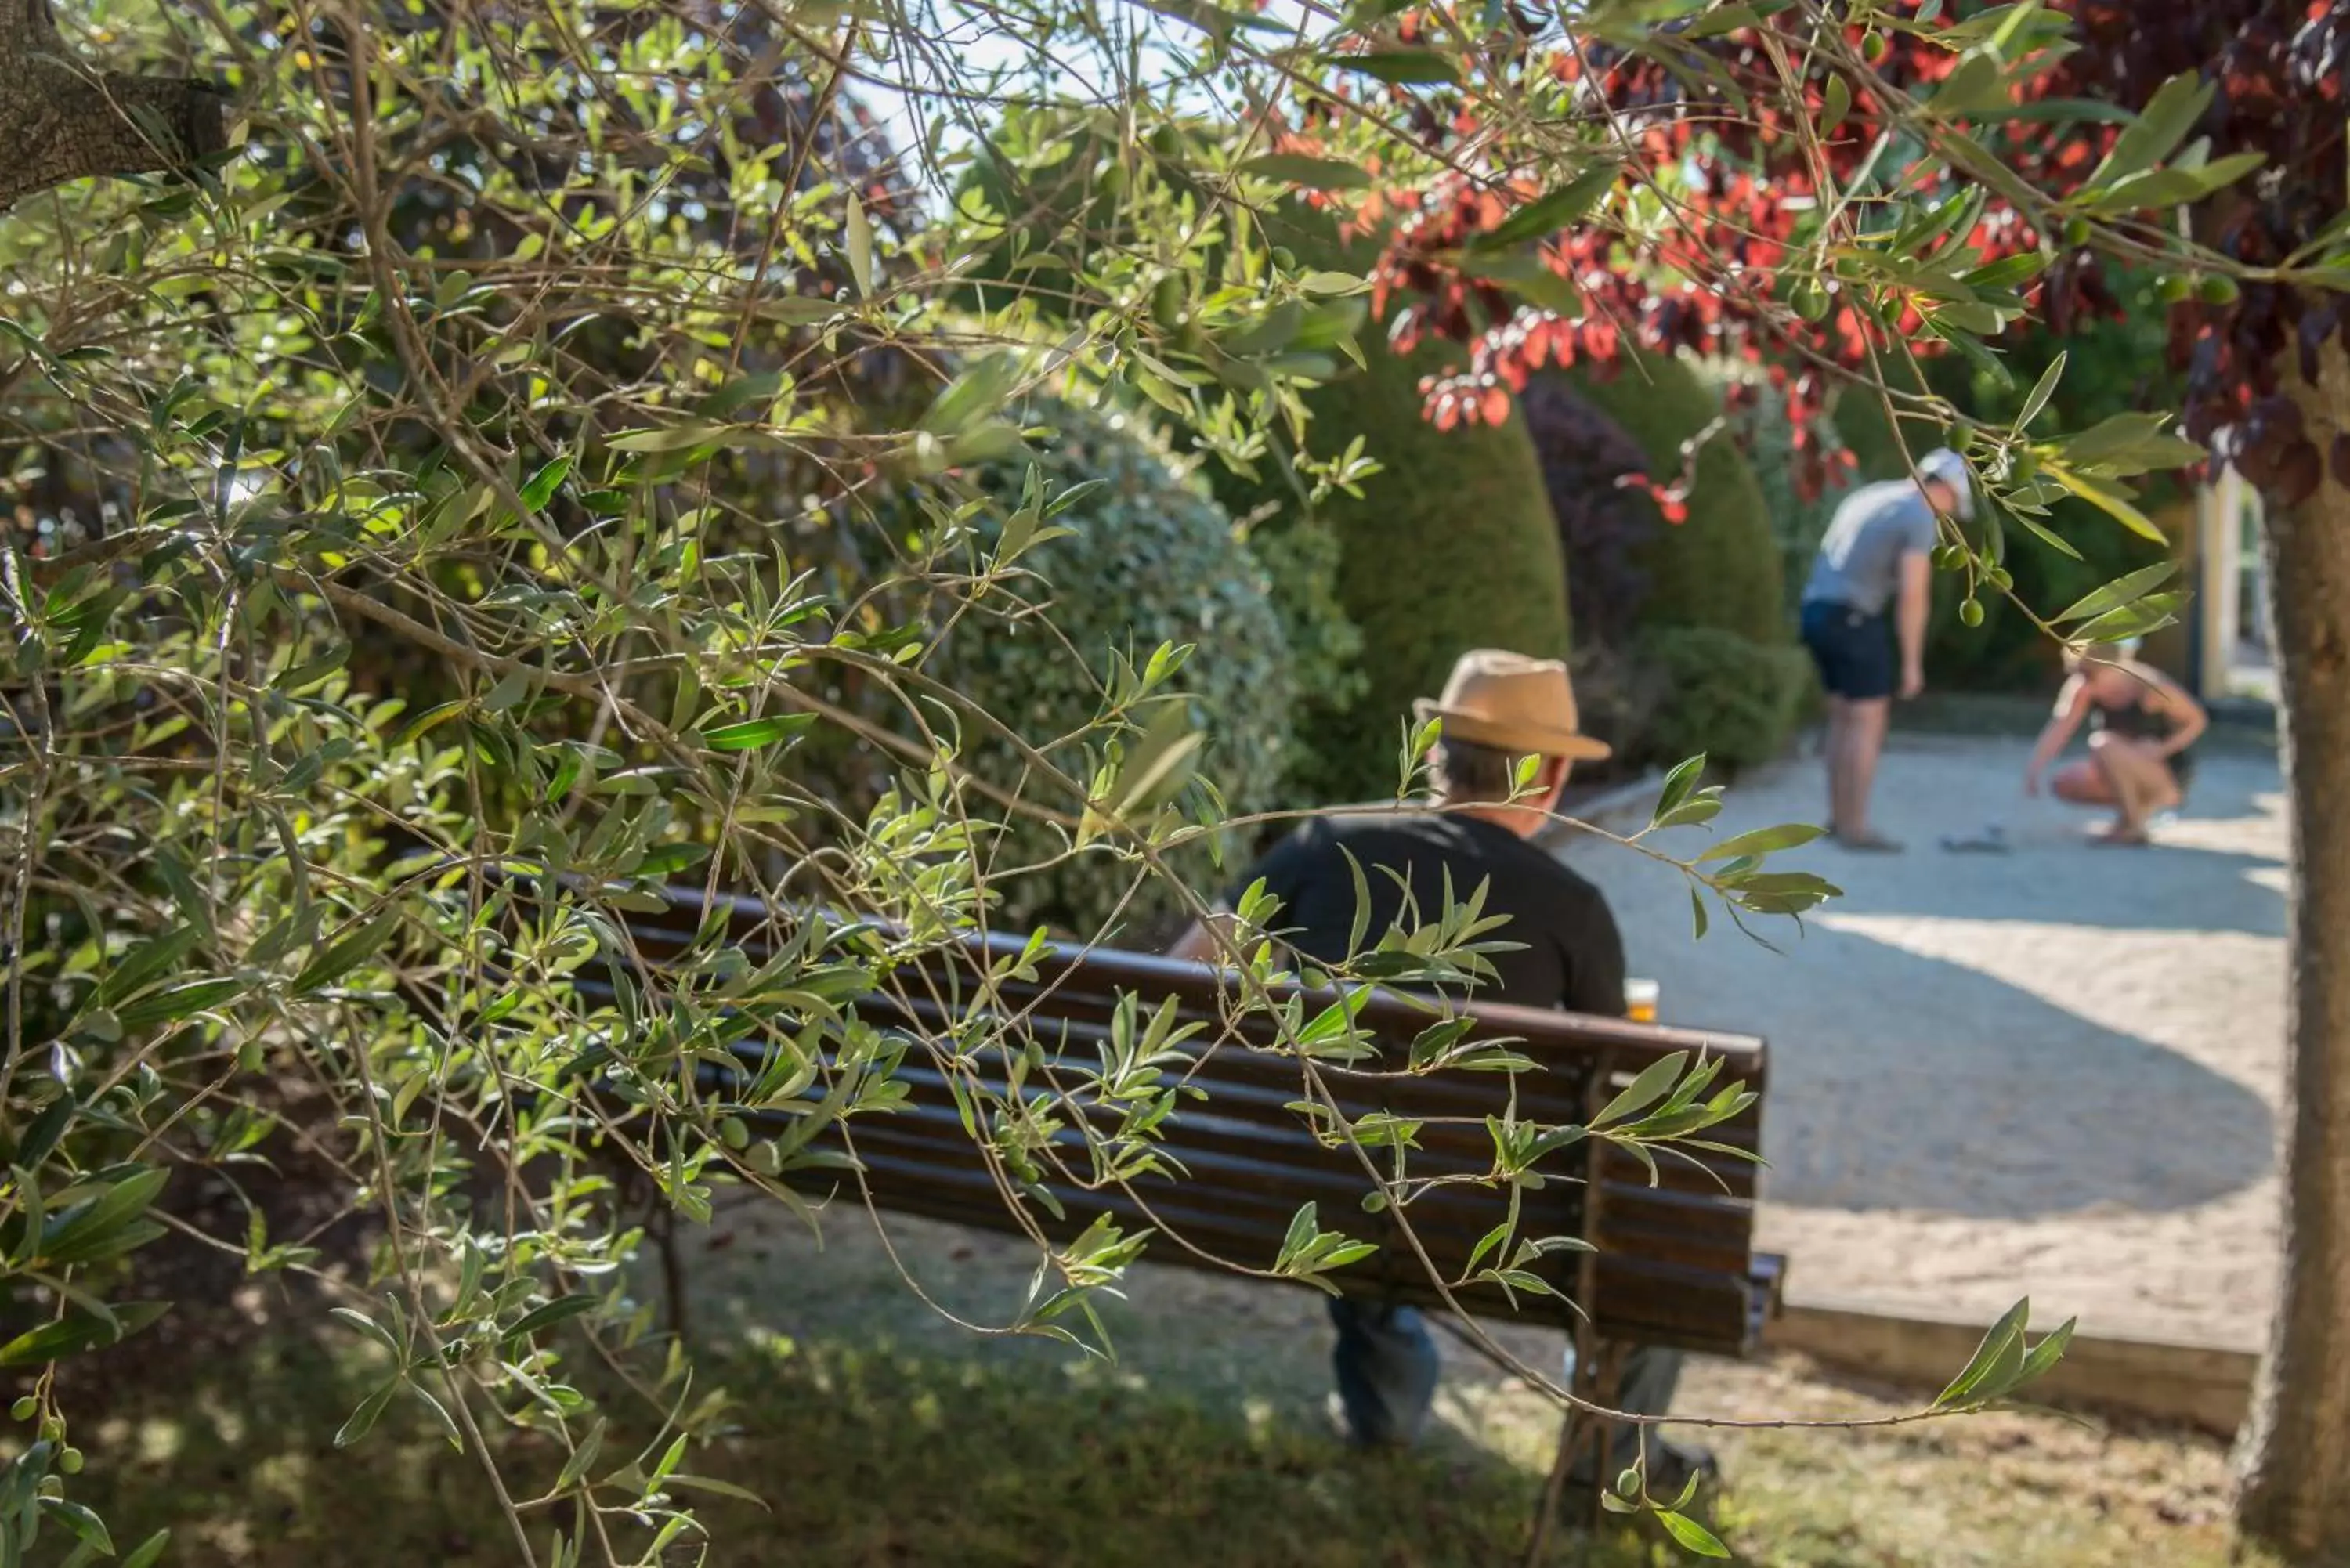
{"points": [[1713, 280]]}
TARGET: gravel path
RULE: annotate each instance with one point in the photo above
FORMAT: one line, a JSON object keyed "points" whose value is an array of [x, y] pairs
{"points": [[2054, 1071]]}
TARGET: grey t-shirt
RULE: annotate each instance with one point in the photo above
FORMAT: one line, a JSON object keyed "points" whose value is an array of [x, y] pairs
{"points": [[1860, 563]]}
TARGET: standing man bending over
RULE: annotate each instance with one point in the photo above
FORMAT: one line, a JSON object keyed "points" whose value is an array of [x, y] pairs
{"points": [[1496, 709], [1879, 551]]}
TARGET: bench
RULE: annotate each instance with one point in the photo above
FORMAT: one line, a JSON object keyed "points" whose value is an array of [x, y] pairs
{"points": [[1673, 1262]]}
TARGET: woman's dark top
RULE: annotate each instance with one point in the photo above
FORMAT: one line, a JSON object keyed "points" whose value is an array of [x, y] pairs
{"points": [[2140, 719]]}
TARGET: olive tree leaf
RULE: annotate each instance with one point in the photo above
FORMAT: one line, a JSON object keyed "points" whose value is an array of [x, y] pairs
{"points": [[1763, 840], [85, 1525], [2111, 502], [858, 234], [1313, 174], [2158, 129], [1645, 1090], [1551, 211], [347, 953], [1691, 1534], [1995, 1364], [2045, 1355], [751, 734], [363, 1419], [1400, 68], [2042, 391], [1676, 787], [2123, 590], [78, 1332]]}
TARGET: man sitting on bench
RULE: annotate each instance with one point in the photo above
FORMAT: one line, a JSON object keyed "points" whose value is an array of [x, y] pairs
{"points": [[1496, 709]]}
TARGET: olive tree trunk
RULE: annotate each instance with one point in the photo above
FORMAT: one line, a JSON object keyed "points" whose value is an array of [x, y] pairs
{"points": [[60, 119], [2296, 1453]]}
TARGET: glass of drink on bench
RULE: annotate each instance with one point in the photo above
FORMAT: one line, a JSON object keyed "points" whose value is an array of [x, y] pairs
{"points": [[1640, 1001]]}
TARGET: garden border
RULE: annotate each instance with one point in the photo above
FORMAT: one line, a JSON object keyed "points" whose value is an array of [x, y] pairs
{"points": [[2206, 1386]]}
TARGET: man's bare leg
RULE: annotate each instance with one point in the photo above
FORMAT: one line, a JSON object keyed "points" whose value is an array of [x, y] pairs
{"points": [[1833, 753], [1865, 724]]}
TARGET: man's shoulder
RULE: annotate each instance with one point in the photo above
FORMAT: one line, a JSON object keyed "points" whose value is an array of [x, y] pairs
{"points": [[1337, 822], [1374, 834], [1391, 835], [1560, 885], [1571, 885], [1358, 831], [1362, 831], [1886, 499]]}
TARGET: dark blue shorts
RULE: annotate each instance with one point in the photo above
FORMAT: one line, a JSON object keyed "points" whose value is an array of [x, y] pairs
{"points": [[1854, 651]]}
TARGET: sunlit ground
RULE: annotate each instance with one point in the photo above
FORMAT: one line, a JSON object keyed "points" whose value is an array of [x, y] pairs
{"points": [[2053, 1072], [877, 1435]]}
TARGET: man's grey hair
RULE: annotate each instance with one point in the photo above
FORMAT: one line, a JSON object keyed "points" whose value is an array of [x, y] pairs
{"points": [[1465, 773]]}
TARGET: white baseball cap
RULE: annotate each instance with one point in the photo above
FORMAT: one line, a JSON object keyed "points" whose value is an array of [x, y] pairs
{"points": [[1948, 466]]}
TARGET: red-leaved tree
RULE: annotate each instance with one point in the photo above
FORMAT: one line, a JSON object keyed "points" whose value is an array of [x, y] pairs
{"points": [[1832, 189]]}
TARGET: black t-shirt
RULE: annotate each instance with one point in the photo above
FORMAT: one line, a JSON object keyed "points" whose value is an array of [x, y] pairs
{"points": [[1570, 954]]}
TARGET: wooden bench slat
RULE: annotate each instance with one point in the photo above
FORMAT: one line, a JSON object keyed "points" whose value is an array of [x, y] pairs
{"points": [[1675, 1266], [1103, 972], [958, 1194]]}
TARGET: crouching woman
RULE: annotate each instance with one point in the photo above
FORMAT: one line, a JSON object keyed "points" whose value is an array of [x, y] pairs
{"points": [[2142, 725]]}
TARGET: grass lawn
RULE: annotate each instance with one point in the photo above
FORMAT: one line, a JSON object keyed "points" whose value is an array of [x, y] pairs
{"points": [[877, 1434]]}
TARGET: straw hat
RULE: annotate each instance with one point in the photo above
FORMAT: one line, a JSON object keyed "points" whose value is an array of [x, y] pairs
{"points": [[1512, 704]]}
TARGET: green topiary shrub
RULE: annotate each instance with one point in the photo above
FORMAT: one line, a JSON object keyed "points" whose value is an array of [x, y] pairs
{"points": [[1720, 693], [1798, 523], [1064, 188], [1450, 546], [1713, 666], [1719, 568], [1302, 557], [1152, 559]]}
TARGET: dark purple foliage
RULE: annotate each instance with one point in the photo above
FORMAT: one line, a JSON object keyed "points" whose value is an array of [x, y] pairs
{"points": [[1602, 525]]}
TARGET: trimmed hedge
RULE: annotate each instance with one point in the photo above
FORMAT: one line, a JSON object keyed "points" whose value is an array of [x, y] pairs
{"points": [[1734, 700], [1798, 523], [1055, 175], [1302, 558], [1711, 666], [1719, 568], [1153, 559], [1451, 547]]}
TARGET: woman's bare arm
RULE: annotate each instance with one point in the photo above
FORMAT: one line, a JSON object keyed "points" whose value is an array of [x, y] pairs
{"points": [[2072, 706], [2192, 718]]}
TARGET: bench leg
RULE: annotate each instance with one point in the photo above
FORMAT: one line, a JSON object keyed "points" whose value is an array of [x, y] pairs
{"points": [[1598, 1380], [635, 1187]]}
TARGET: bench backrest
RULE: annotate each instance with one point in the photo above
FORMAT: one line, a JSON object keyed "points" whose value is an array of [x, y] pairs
{"points": [[1674, 1263]]}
